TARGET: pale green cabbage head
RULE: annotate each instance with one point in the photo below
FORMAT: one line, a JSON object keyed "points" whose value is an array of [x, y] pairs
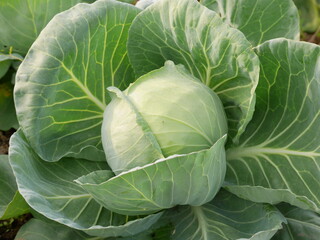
{"points": [[165, 112]]}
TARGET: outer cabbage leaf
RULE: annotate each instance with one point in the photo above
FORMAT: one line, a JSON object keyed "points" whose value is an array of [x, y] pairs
{"points": [[301, 224], [61, 86], [11, 202], [188, 33], [259, 20], [143, 4], [226, 217], [192, 179], [278, 158], [49, 188], [40, 230], [36, 229], [21, 21]]}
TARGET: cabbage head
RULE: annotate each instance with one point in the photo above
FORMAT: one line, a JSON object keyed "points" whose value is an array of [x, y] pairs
{"points": [[163, 113]]}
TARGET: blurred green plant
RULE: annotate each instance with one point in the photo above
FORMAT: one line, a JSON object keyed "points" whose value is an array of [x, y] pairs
{"points": [[309, 11]]}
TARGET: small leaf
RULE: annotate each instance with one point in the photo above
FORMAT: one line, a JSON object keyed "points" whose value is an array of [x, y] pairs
{"points": [[10, 56], [49, 189], [193, 179], [8, 118], [278, 157], [12, 203], [259, 20], [227, 217], [4, 66], [16, 207]]}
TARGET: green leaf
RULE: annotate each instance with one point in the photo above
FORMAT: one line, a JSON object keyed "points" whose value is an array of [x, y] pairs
{"points": [[5, 62], [163, 232], [4, 66], [8, 118], [36, 229], [278, 157], [193, 179], [11, 202], [16, 207], [259, 20], [3, 48], [21, 21], [302, 224], [188, 33], [49, 189], [309, 11], [227, 217], [143, 4], [62, 94], [10, 56]]}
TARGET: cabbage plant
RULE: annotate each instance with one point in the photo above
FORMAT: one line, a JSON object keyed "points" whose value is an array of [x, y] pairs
{"points": [[178, 120]]}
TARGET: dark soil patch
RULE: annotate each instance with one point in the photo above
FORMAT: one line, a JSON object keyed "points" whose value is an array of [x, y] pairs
{"points": [[10, 227], [311, 37], [4, 140]]}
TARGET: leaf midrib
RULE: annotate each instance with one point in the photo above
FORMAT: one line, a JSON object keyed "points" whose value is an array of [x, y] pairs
{"points": [[308, 224], [203, 225], [234, 153], [93, 98]]}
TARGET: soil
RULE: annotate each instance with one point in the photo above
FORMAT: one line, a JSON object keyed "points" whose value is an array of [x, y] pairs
{"points": [[4, 140], [10, 227], [311, 37]]}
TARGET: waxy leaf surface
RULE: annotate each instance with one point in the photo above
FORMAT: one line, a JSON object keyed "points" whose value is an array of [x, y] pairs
{"points": [[301, 224], [36, 229], [21, 21], [278, 158], [227, 217], [61, 86], [192, 179], [259, 20], [49, 188]]}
